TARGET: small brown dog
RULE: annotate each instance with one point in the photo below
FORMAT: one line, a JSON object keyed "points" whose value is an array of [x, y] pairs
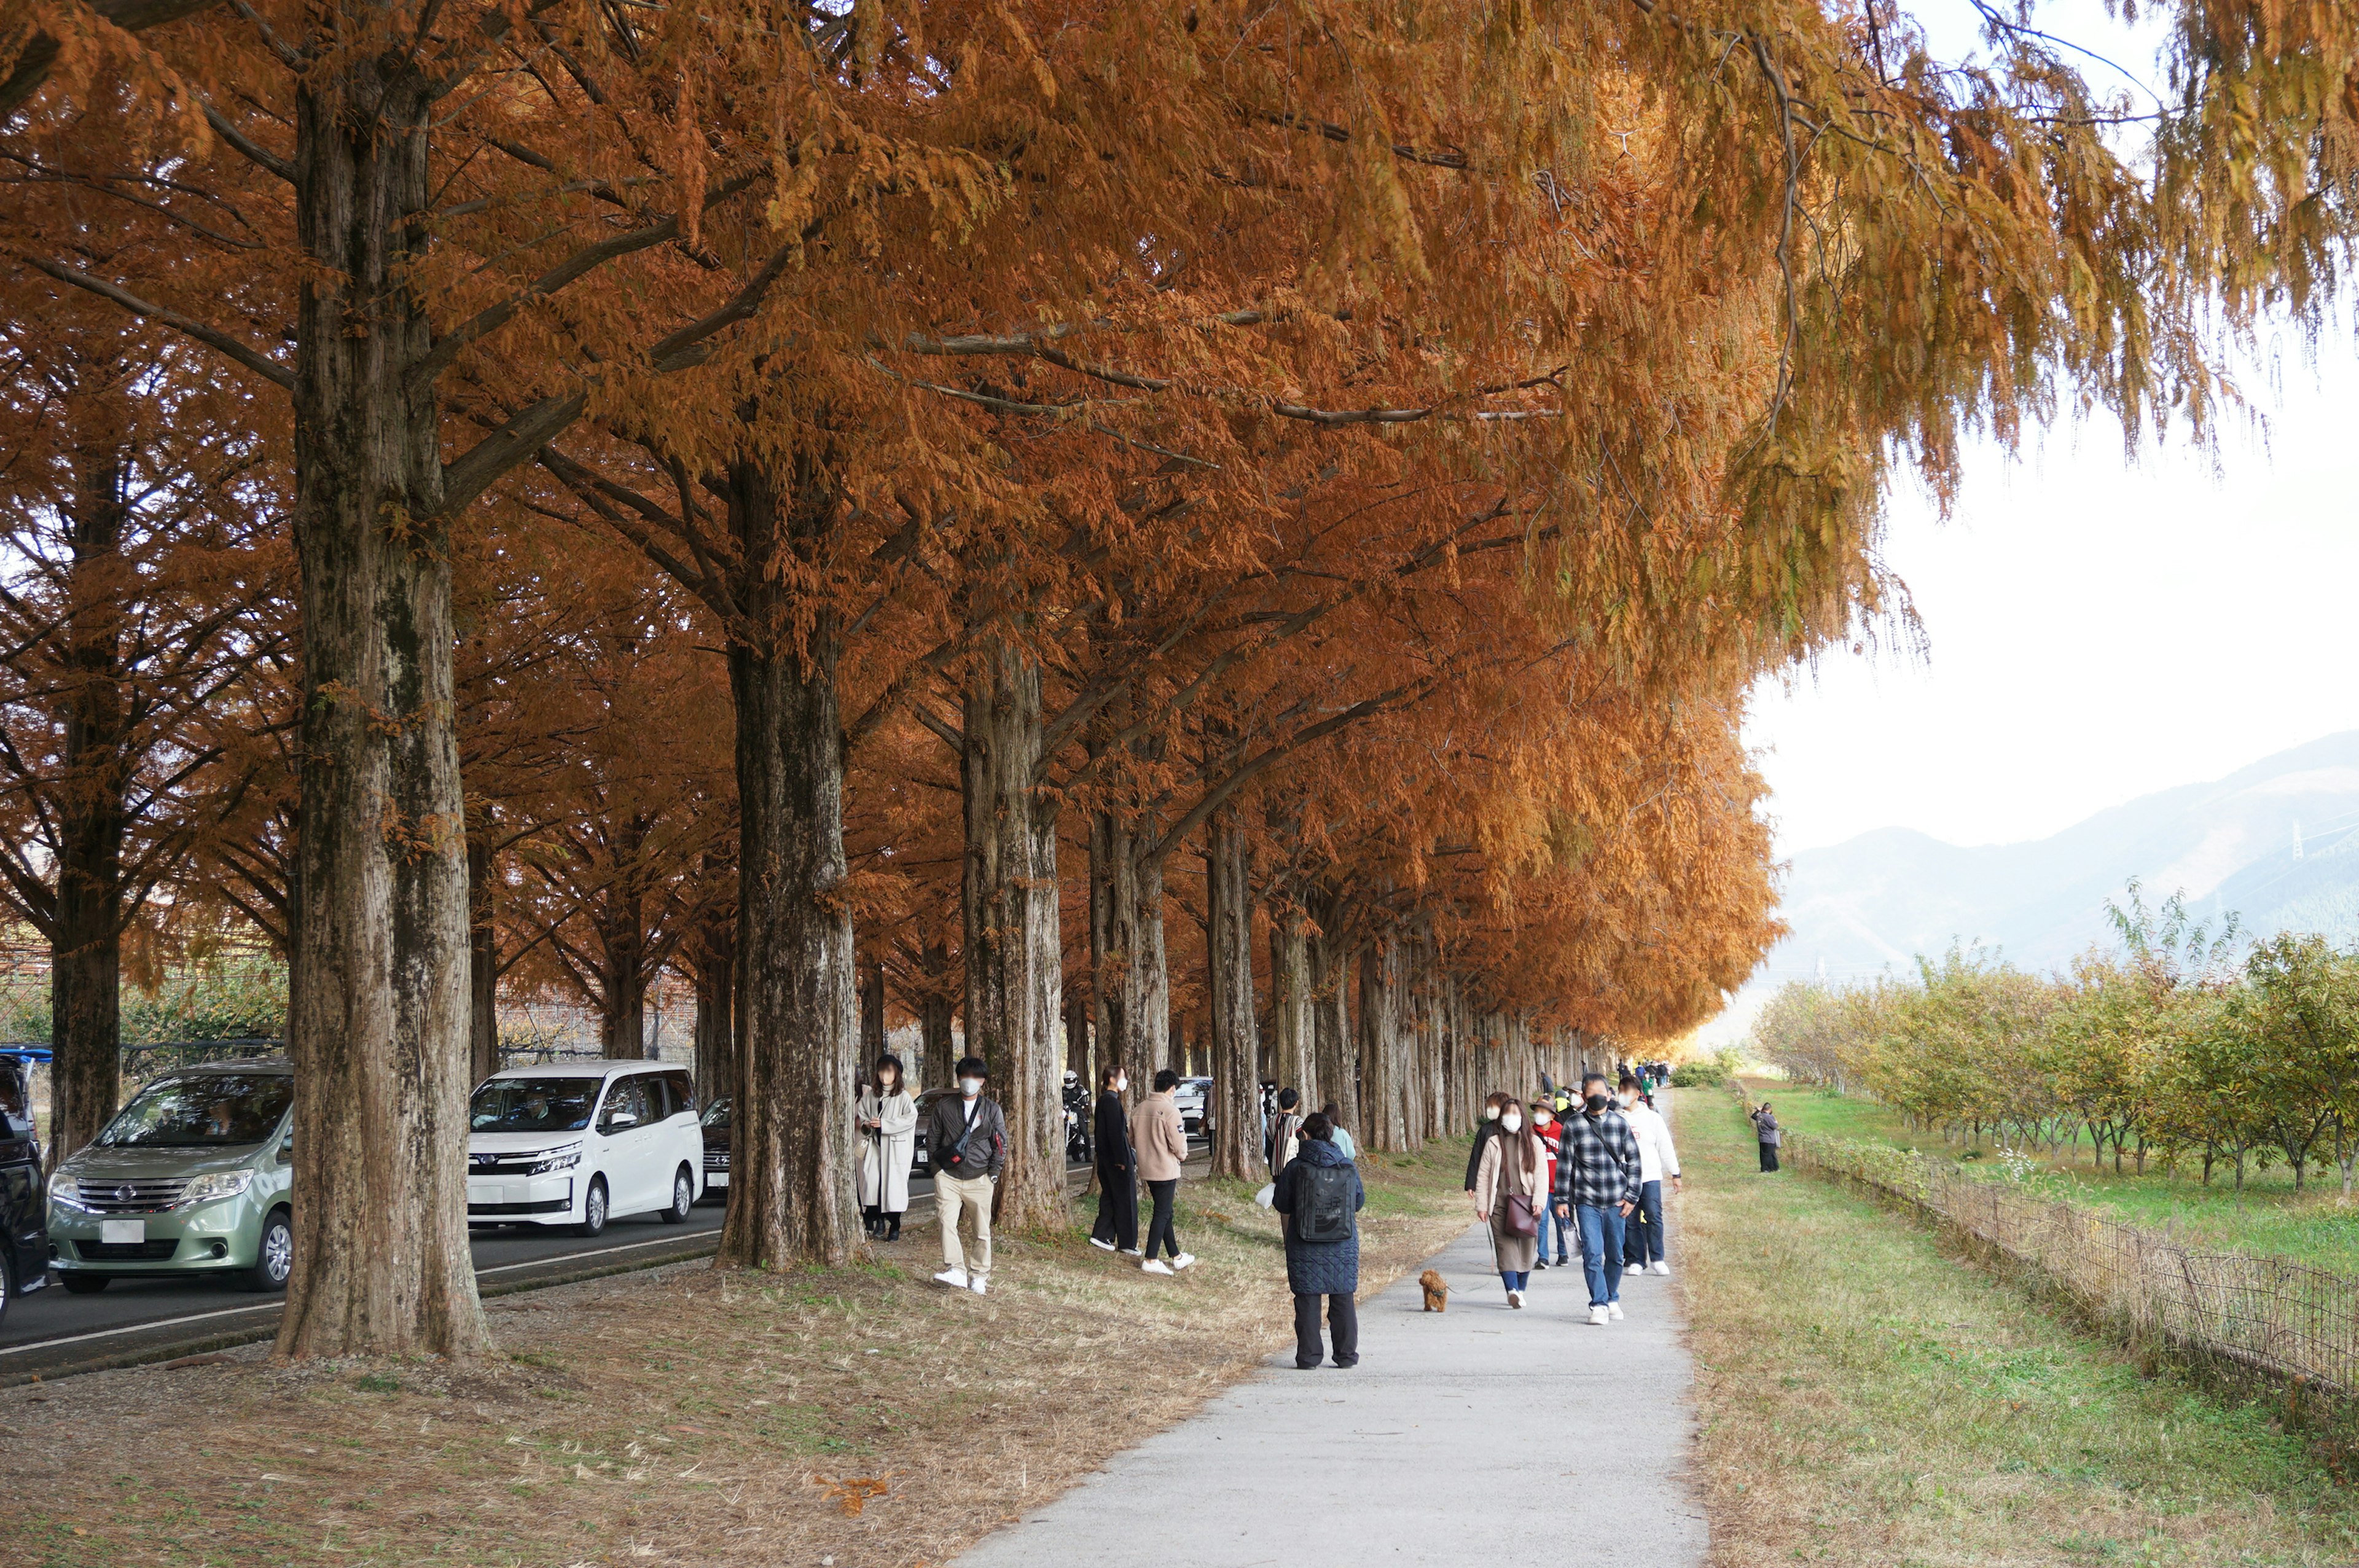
{"points": [[1437, 1290]]}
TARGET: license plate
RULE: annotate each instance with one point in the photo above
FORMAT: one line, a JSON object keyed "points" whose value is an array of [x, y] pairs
{"points": [[115, 1230]]}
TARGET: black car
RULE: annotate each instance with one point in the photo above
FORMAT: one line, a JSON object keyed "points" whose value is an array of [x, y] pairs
{"points": [[716, 1149], [23, 1219], [923, 1165]]}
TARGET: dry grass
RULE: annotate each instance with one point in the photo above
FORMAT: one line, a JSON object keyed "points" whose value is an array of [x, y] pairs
{"points": [[845, 1419], [1868, 1396]]}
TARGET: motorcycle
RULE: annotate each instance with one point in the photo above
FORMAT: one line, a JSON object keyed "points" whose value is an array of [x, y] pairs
{"points": [[1077, 1131]]}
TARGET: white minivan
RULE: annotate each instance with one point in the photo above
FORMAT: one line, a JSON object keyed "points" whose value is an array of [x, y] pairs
{"points": [[578, 1142]]}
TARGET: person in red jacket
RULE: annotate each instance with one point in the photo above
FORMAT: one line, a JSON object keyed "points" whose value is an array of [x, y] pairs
{"points": [[1551, 1137]]}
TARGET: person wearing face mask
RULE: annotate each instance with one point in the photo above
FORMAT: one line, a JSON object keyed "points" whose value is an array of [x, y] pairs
{"points": [[1644, 1243], [1117, 1225], [889, 1119], [1551, 1137], [1162, 1150], [1596, 1186], [1510, 1188], [966, 1136], [1483, 1131]]}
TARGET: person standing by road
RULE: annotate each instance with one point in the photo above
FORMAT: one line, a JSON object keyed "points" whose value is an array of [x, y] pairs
{"points": [[1285, 1131], [1645, 1242], [1318, 1194], [888, 1125], [1765, 1126], [1510, 1189], [1551, 1137], [966, 1137], [1118, 1167], [1162, 1150], [1483, 1133], [1596, 1184]]}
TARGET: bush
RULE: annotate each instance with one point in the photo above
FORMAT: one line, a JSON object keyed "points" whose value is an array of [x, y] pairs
{"points": [[1703, 1072]]}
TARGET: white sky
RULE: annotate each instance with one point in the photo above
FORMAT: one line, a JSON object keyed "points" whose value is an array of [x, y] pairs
{"points": [[2099, 630]]}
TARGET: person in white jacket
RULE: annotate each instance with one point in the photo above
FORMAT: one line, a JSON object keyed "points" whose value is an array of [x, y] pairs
{"points": [[887, 1122], [1642, 1240]]}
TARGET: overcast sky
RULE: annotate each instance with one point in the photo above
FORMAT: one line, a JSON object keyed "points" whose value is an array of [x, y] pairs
{"points": [[2099, 630]]}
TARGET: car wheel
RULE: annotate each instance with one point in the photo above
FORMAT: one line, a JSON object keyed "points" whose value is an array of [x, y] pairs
{"points": [[683, 1198], [80, 1284], [274, 1255], [593, 1209]]}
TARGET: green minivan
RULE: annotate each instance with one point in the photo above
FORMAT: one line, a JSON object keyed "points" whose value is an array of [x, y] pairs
{"points": [[189, 1179]]}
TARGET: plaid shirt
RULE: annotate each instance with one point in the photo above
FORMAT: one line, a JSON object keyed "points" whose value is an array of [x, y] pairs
{"points": [[1598, 1164]]}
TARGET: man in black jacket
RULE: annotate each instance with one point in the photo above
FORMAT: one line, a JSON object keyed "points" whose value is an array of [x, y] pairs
{"points": [[966, 1143], [1117, 1225]]}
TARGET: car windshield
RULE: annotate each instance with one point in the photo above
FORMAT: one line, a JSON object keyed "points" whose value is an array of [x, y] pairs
{"points": [[716, 1115], [532, 1104], [203, 1110]]}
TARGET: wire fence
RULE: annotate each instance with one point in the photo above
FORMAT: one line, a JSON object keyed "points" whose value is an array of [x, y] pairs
{"points": [[2271, 1316]]}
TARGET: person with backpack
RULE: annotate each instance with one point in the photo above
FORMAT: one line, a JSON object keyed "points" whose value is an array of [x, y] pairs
{"points": [[1320, 1194], [966, 1139], [1510, 1188], [1285, 1131], [1117, 1225], [1162, 1150]]}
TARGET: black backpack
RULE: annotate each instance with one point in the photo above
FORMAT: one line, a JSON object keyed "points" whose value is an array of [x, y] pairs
{"points": [[1322, 1202]]}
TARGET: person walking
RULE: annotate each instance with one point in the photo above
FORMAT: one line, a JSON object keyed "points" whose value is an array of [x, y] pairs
{"points": [[1596, 1182], [1116, 1229], [887, 1118], [1484, 1130], [1162, 1150], [966, 1137], [1551, 1137], [1510, 1188], [1285, 1131], [1765, 1126], [1343, 1136], [1318, 1194], [1645, 1242]]}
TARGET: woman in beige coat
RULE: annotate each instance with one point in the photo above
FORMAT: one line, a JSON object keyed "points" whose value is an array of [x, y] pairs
{"points": [[1162, 1141], [1515, 1165]]}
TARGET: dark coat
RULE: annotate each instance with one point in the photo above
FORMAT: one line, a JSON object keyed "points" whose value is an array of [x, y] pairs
{"points": [[1113, 1148], [1318, 1268], [986, 1151], [1483, 1135]]}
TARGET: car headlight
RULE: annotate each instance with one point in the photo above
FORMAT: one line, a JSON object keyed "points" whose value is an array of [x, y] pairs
{"points": [[65, 1189], [215, 1186], [558, 1160]]}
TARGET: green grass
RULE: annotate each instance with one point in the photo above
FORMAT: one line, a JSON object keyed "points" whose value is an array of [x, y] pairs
{"points": [[1869, 1397], [2315, 1225]]}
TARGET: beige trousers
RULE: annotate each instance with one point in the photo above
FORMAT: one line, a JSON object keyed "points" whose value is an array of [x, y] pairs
{"points": [[968, 1198]]}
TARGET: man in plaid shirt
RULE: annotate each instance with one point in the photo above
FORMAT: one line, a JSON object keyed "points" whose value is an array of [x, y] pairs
{"points": [[1597, 1182]]}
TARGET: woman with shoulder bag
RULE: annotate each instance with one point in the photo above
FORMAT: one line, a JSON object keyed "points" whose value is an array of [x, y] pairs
{"points": [[1509, 1188]]}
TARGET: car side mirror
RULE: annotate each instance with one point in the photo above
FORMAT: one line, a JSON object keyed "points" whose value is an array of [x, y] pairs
{"points": [[287, 1149], [621, 1119]]}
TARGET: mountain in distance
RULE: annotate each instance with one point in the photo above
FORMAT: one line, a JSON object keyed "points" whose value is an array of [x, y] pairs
{"points": [[2276, 843]]}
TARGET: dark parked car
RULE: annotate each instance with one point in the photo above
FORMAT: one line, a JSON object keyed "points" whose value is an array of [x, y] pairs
{"points": [[24, 1230], [923, 1166], [716, 1149]]}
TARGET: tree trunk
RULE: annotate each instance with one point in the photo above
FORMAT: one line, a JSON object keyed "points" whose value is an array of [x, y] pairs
{"points": [[1237, 1044], [377, 1021], [872, 1015], [935, 1014], [620, 918], [713, 962], [790, 1182], [1331, 1019], [482, 967], [1294, 1050], [1015, 967], [1077, 1039]]}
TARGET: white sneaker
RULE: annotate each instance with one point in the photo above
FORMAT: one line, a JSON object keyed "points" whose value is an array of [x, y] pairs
{"points": [[1182, 1260], [977, 1287], [1516, 1300], [1614, 1311], [954, 1278], [1597, 1316], [1660, 1267], [1132, 1252], [1105, 1246], [1633, 1269], [1156, 1266]]}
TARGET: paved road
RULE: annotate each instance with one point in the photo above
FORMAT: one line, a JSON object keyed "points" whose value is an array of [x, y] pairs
{"points": [[49, 1333], [1471, 1437]]}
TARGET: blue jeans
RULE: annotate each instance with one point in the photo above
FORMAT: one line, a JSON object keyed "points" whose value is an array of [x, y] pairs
{"points": [[1600, 1251], [1643, 1231], [1548, 1221], [1515, 1279]]}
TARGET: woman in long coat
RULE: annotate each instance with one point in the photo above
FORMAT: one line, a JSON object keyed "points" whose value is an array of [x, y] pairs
{"points": [[889, 1144], [1514, 1163]]}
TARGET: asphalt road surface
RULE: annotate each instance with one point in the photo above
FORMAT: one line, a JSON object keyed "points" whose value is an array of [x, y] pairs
{"points": [[49, 1333]]}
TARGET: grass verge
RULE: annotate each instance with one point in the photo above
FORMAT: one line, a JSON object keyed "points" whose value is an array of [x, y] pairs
{"points": [[1868, 1396], [2315, 1225], [854, 1418]]}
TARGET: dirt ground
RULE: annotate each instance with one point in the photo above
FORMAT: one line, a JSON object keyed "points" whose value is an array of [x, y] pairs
{"points": [[861, 1418]]}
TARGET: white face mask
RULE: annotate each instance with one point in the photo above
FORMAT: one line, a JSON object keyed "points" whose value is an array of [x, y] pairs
{"points": [[1122, 1085], [1491, 1114], [970, 1087], [1511, 1121], [1629, 1100]]}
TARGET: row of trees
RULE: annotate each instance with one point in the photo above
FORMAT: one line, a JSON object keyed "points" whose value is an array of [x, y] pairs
{"points": [[2181, 1045], [1025, 506]]}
